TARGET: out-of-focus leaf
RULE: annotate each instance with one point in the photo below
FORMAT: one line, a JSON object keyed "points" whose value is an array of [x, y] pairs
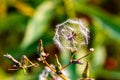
{"points": [[21, 76], [117, 19], [39, 23], [110, 75], [99, 57], [110, 25], [2, 75], [12, 20]]}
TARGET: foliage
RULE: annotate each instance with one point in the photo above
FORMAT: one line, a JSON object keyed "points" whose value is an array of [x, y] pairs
{"points": [[24, 22]]}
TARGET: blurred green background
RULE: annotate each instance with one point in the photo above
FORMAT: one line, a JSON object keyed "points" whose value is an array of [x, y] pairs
{"points": [[24, 22]]}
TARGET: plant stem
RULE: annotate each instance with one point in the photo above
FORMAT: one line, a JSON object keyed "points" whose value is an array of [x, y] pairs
{"points": [[61, 75], [84, 56], [65, 66]]}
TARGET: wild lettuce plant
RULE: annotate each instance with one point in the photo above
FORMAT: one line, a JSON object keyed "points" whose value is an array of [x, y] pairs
{"points": [[70, 35]]}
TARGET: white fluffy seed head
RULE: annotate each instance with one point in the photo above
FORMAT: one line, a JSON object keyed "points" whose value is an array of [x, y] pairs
{"points": [[71, 33]]}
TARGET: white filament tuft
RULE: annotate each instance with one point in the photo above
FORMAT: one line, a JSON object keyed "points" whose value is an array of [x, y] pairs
{"points": [[71, 33]]}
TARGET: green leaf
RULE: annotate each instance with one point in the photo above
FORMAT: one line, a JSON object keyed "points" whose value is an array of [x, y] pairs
{"points": [[3, 75], [39, 24], [20, 75], [99, 57], [109, 25], [107, 74], [12, 20]]}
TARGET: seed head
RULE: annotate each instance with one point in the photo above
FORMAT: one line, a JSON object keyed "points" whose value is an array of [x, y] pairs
{"points": [[71, 33]]}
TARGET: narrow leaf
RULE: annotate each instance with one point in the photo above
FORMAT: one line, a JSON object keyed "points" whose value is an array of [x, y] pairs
{"points": [[38, 24]]}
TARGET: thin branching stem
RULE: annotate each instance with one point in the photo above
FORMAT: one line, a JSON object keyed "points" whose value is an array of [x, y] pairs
{"points": [[83, 56], [52, 69], [13, 59], [65, 66], [58, 62]]}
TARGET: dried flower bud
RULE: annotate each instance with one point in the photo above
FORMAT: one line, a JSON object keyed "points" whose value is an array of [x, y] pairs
{"points": [[8, 56], [39, 59], [15, 66], [43, 54], [91, 49], [76, 62]]}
